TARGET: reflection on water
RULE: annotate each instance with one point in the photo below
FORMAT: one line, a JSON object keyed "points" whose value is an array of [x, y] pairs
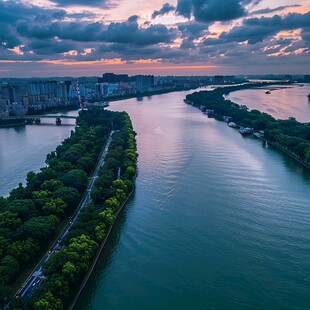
{"points": [[217, 220], [24, 149], [281, 103]]}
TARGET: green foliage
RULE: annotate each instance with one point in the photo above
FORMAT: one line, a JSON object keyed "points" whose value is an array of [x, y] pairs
{"points": [[48, 302], [112, 203], [108, 216], [23, 250], [79, 252], [55, 206], [30, 216], [76, 178], [289, 135], [41, 227]]}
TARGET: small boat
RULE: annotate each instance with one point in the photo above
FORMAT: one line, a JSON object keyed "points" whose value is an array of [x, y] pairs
{"points": [[232, 125], [268, 92], [246, 130]]}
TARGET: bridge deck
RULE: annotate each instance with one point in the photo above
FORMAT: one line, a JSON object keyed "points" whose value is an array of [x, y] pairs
{"points": [[39, 116]]}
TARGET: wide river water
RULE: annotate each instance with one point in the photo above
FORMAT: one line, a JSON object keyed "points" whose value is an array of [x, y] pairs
{"points": [[281, 103], [217, 221]]}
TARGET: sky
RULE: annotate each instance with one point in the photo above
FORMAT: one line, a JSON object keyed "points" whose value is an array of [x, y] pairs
{"points": [[171, 37]]}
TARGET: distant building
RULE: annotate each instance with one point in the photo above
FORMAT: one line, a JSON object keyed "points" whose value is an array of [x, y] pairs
{"points": [[7, 93], [101, 90], [114, 78], [307, 78], [229, 79], [112, 89], [288, 78], [4, 107], [219, 79], [144, 82]]}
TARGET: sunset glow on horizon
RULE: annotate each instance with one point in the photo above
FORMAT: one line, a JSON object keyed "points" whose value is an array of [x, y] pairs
{"points": [[182, 37]]}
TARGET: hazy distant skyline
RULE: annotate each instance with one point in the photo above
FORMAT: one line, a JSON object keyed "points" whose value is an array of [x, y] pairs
{"points": [[180, 37]]}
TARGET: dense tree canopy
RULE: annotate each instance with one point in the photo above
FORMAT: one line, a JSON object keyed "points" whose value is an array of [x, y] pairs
{"points": [[31, 214], [64, 269]]}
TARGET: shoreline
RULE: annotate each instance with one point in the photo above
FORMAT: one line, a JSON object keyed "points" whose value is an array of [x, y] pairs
{"points": [[103, 243], [279, 148], [218, 115]]}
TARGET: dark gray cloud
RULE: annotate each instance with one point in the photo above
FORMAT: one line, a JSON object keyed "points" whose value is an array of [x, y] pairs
{"points": [[214, 10], [7, 37], [255, 30], [166, 8], [126, 32], [277, 9], [305, 35], [47, 33], [193, 29], [50, 47], [93, 3]]}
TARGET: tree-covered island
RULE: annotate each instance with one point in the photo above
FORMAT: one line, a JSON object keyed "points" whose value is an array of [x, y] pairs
{"points": [[32, 216]]}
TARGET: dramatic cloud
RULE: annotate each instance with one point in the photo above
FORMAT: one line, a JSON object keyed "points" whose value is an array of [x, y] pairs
{"points": [[255, 30], [213, 10], [166, 8], [277, 9], [50, 47], [93, 3], [218, 33], [126, 32], [192, 29]]}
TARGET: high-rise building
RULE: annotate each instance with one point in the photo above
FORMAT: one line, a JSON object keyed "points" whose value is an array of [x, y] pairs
{"points": [[114, 78], [288, 78], [4, 107], [7, 93], [218, 79], [144, 82], [307, 78]]}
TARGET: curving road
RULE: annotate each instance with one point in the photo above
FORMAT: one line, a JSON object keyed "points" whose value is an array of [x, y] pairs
{"points": [[37, 276]]}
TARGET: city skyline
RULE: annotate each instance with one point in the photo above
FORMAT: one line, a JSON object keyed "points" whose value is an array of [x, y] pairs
{"points": [[181, 37]]}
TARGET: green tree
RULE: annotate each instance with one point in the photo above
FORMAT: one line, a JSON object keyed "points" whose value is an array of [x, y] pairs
{"points": [[9, 220], [41, 227], [48, 302], [75, 178], [108, 216], [68, 270], [69, 195], [51, 185], [23, 250], [55, 206]]}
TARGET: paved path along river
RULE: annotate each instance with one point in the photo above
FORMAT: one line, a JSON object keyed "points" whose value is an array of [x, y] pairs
{"points": [[217, 221]]}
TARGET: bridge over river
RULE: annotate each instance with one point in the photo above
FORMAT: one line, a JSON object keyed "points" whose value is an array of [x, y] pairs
{"points": [[30, 119]]}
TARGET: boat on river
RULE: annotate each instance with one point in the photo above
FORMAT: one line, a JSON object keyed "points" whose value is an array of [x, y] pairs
{"points": [[246, 130]]}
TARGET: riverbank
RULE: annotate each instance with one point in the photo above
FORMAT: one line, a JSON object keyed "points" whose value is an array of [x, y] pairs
{"points": [[278, 147], [84, 239], [149, 93], [288, 135], [90, 271], [208, 203]]}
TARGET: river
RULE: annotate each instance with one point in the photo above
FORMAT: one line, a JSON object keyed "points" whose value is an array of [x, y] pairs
{"points": [[281, 103], [24, 149], [217, 221]]}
